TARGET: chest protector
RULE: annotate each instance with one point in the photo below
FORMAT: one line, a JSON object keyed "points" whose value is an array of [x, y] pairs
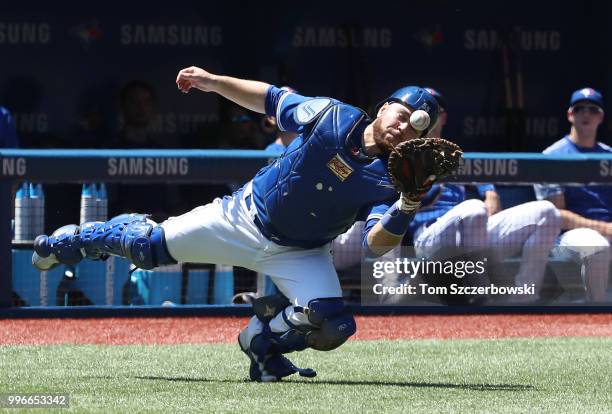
{"points": [[320, 185]]}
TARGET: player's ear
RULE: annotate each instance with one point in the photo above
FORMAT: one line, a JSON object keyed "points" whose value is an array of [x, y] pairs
{"points": [[570, 115], [382, 109], [443, 118], [268, 121]]}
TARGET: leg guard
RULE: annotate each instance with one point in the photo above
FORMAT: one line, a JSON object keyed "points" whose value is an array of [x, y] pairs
{"points": [[329, 326], [265, 348], [332, 325], [132, 236]]}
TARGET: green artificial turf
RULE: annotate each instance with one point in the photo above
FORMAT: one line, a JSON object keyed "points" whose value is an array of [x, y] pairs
{"points": [[554, 375]]}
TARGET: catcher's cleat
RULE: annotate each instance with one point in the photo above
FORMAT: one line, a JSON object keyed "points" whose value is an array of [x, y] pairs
{"points": [[270, 367], [58, 248]]}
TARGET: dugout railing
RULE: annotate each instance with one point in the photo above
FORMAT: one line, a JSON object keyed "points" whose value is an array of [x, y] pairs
{"points": [[237, 166]]}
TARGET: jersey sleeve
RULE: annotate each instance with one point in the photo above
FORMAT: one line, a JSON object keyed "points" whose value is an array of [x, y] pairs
{"points": [[543, 192], [282, 105], [375, 214]]}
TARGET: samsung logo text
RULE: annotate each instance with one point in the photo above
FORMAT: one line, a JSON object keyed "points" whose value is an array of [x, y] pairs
{"points": [[147, 166]]}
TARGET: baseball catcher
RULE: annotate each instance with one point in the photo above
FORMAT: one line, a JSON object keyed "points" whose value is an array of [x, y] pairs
{"points": [[281, 223]]}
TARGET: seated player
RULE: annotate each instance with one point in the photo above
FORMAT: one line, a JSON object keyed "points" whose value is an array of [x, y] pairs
{"points": [[449, 220], [586, 211]]}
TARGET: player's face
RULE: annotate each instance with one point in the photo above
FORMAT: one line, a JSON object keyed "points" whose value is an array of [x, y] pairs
{"points": [[139, 108], [393, 125], [585, 115]]}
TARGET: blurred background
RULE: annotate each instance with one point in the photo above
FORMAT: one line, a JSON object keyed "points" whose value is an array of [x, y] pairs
{"points": [[94, 77], [104, 76]]}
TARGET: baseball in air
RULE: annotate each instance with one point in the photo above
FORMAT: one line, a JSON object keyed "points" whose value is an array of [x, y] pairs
{"points": [[419, 120]]}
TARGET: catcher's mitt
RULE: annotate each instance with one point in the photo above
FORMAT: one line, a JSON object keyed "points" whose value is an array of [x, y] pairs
{"points": [[416, 164]]}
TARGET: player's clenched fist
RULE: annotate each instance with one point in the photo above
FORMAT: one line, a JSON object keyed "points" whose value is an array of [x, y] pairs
{"points": [[194, 77]]}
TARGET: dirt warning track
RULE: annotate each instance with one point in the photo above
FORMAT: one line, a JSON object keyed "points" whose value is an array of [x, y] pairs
{"points": [[195, 330]]}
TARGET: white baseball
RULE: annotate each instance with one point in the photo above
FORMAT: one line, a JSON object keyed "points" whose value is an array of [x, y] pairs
{"points": [[420, 120]]}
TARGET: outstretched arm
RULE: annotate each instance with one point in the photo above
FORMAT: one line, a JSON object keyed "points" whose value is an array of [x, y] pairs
{"points": [[383, 232], [381, 240], [246, 93]]}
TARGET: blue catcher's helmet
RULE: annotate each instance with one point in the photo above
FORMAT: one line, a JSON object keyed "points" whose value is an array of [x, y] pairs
{"points": [[415, 97], [441, 100]]}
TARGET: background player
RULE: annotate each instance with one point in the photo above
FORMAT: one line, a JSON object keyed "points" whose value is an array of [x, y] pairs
{"points": [[281, 222], [8, 132], [473, 225], [586, 210]]}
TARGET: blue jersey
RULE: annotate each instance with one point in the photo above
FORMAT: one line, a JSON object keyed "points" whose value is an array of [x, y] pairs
{"points": [[8, 134], [593, 202], [323, 182], [450, 196], [275, 147]]}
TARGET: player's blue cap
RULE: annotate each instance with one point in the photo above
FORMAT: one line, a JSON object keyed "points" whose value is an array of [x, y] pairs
{"points": [[439, 97], [587, 94], [415, 97]]}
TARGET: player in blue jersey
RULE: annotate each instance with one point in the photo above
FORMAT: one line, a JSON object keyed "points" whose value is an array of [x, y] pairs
{"points": [[586, 211], [449, 220], [281, 222], [346, 248]]}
